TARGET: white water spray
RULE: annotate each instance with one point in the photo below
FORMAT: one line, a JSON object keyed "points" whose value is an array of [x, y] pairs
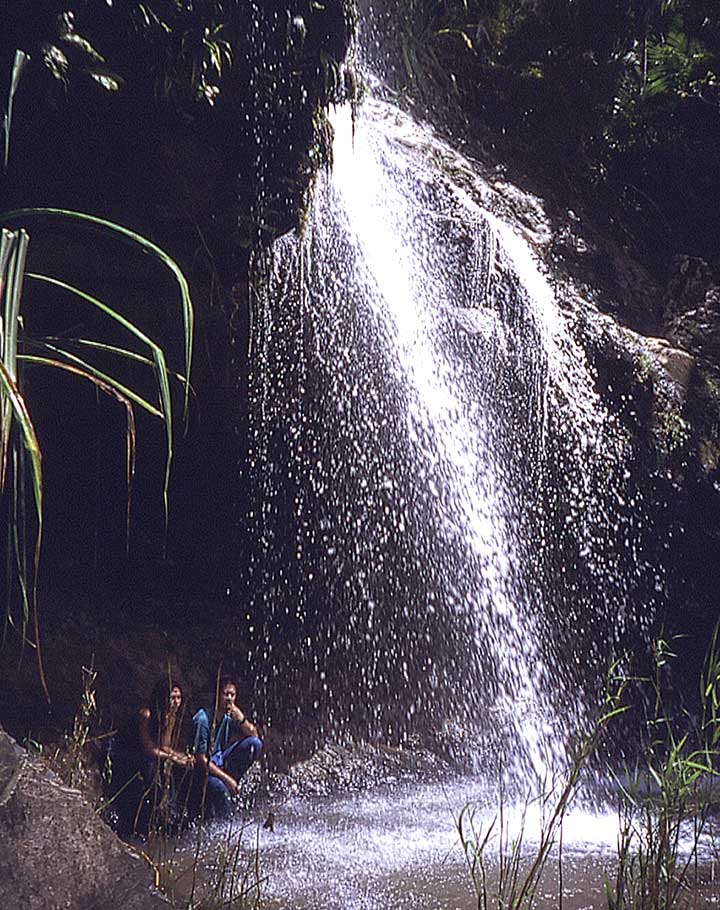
{"points": [[409, 354]]}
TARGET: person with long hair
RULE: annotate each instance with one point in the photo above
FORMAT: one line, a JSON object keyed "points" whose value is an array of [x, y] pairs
{"points": [[159, 725], [155, 782]]}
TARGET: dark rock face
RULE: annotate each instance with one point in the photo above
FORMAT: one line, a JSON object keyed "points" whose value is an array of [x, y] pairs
{"points": [[687, 285], [698, 330], [56, 853], [692, 308]]}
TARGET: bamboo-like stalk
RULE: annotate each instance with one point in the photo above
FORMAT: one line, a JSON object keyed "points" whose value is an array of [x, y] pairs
{"points": [[11, 394], [13, 295], [19, 63]]}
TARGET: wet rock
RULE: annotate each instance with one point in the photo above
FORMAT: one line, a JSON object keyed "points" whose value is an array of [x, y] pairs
{"points": [[676, 365], [657, 392], [698, 329], [337, 769], [56, 852]]}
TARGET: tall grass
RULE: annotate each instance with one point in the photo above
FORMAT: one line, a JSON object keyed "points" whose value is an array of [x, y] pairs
{"points": [[517, 868], [21, 475], [211, 868], [667, 797], [665, 803]]}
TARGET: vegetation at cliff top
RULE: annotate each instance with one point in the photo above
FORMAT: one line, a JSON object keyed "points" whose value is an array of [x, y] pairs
{"points": [[627, 93]]}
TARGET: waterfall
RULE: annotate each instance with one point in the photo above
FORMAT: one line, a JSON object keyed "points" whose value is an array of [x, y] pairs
{"points": [[442, 550]]}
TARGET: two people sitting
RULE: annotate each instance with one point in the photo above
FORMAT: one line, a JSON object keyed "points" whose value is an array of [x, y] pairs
{"points": [[156, 781]]}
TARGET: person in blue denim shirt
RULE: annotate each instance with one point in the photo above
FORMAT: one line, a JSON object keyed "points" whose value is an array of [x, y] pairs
{"points": [[235, 744]]}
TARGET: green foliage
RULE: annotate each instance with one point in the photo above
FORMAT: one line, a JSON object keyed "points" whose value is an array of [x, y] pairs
{"points": [[193, 44], [20, 452], [644, 369], [624, 97], [182, 49], [677, 64], [668, 796]]}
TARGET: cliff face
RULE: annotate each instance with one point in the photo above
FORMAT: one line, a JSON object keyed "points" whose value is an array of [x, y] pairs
{"points": [[212, 151], [651, 338]]}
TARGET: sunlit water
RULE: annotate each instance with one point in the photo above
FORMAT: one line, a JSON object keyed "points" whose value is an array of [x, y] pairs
{"points": [[398, 848], [439, 491], [380, 851]]}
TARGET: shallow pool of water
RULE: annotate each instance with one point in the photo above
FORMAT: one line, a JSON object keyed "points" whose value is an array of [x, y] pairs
{"points": [[399, 848]]}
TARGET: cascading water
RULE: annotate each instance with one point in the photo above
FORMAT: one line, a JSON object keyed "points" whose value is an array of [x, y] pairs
{"points": [[439, 521]]}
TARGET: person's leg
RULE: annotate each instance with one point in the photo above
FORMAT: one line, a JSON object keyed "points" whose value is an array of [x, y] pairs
{"points": [[200, 742], [126, 789], [217, 799], [238, 757]]}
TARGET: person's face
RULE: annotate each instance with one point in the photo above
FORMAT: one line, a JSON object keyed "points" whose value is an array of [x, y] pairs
{"points": [[228, 696], [175, 699]]}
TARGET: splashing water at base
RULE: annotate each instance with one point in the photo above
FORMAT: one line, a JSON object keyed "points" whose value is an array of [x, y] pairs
{"points": [[398, 848], [401, 850], [435, 474]]}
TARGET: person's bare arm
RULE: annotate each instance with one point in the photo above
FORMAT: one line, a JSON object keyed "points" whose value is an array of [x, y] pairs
{"points": [[155, 751], [247, 727]]}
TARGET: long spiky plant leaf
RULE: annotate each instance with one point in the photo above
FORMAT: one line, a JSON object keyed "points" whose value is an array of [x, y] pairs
{"points": [[102, 346], [164, 386], [13, 297], [7, 244], [13, 266], [83, 367], [117, 391], [158, 359], [17, 542], [140, 242], [7, 241], [19, 63], [94, 301], [15, 269], [13, 395]]}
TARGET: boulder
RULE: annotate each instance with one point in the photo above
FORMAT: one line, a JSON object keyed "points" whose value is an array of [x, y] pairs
{"points": [[56, 852], [676, 364], [698, 330]]}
